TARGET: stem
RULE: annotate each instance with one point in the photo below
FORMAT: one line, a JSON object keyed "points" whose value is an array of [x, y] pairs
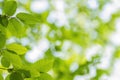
{"points": [[4, 68]]}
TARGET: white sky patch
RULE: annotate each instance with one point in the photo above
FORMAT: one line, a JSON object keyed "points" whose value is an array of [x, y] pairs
{"points": [[77, 49], [104, 77], [74, 66], [116, 73], [93, 4], [38, 51], [93, 34], [107, 55], [39, 6], [23, 1], [58, 16], [61, 17], [66, 45], [93, 50], [0, 11], [1, 0], [63, 55], [59, 5], [117, 25], [11, 40], [25, 41], [44, 28], [92, 72], [51, 17], [116, 3], [19, 10], [78, 77], [107, 11], [115, 38]]}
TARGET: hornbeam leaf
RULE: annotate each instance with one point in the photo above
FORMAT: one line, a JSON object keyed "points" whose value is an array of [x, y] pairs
{"points": [[28, 18], [15, 27], [14, 59], [17, 48], [5, 62], [10, 7]]}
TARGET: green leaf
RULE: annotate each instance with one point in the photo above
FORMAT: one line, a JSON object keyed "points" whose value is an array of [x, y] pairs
{"points": [[16, 27], [4, 21], [28, 18], [16, 76], [5, 62], [20, 50], [13, 58], [2, 29], [10, 7], [43, 65], [25, 73], [45, 76], [34, 73], [2, 40]]}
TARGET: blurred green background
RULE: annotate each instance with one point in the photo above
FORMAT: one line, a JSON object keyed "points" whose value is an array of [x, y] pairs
{"points": [[83, 36]]}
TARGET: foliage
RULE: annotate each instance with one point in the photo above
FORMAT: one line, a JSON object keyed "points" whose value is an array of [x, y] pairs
{"points": [[83, 29]]}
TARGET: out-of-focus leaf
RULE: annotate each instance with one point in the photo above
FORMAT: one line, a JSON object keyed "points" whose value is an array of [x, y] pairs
{"points": [[16, 27], [2, 40], [25, 73], [10, 7], [82, 60], [28, 18], [2, 29], [43, 76], [4, 21], [16, 76], [5, 62], [13, 58], [43, 65], [34, 73], [117, 53], [19, 49]]}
